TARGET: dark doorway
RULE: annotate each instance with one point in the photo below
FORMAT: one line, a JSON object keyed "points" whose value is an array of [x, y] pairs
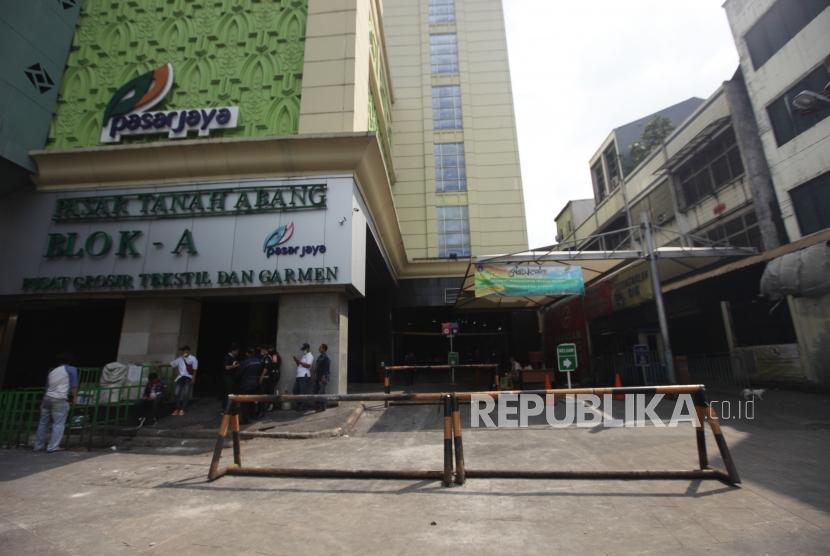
{"points": [[90, 330], [249, 322]]}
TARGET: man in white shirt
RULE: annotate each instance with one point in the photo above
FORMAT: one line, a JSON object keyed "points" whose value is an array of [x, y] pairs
{"points": [[54, 408], [303, 380], [185, 367]]}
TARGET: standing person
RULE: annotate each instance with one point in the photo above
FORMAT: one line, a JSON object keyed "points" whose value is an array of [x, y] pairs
{"points": [[322, 375], [54, 407], [230, 368], [186, 365], [250, 378], [271, 373], [303, 379]]}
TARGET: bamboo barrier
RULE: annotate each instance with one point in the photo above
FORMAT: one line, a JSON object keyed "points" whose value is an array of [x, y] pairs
{"points": [[454, 470]]}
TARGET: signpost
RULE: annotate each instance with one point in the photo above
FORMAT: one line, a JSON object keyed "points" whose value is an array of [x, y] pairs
{"points": [[451, 329], [642, 359], [566, 359]]}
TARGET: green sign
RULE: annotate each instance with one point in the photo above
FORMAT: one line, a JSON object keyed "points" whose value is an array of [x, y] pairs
{"points": [[525, 279], [191, 204], [566, 357], [452, 358]]}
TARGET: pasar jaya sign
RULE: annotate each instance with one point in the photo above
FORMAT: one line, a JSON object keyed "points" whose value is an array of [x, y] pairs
{"points": [[126, 113]]}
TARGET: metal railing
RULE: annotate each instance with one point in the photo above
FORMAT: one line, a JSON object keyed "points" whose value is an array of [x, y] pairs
{"points": [[96, 410]]}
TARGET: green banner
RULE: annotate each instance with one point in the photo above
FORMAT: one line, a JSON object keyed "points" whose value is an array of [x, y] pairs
{"points": [[528, 279]]}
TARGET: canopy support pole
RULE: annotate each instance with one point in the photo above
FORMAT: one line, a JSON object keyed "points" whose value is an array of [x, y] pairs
{"points": [[651, 253]]}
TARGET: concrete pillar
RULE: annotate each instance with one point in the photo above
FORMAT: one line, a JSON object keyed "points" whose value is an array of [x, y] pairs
{"points": [[154, 329], [316, 318], [764, 199], [812, 329]]}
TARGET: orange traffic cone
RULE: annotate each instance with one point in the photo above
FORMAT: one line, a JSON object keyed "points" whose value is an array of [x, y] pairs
{"points": [[618, 384]]}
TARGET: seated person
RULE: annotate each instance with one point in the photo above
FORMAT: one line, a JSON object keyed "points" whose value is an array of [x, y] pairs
{"points": [[150, 400]]}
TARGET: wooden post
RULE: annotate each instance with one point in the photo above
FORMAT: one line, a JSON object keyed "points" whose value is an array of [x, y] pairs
{"points": [[237, 455], [213, 471], [447, 479], [714, 423], [701, 436], [460, 476]]}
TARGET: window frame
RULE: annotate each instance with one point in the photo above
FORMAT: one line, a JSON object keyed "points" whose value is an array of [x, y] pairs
{"points": [[463, 217], [441, 17], [456, 121], [443, 67], [441, 154]]}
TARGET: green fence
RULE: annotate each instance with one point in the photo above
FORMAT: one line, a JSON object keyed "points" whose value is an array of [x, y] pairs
{"points": [[97, 410]]}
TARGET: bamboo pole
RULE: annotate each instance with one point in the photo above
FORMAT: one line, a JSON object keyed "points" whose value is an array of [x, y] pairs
{"points": [[460, 476], [447, 479]]}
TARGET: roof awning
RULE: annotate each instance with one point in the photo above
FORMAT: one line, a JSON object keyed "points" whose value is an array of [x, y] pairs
{"points": [[695, 144], [673, 263]]}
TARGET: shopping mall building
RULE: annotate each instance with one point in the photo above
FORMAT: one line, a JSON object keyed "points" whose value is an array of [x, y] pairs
{"points": [[267, 172]]}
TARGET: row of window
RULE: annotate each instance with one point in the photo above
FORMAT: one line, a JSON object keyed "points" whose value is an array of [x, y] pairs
{"points": [[811, 203], [783, 21], [787, 122], [450, 163], [740, 231], [710, 169]]}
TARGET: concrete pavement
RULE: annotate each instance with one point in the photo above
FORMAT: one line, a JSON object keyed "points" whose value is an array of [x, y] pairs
{"points": [[157, 501]]}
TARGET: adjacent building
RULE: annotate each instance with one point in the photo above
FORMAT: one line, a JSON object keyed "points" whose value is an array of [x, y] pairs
{"points": [[747, 167]]}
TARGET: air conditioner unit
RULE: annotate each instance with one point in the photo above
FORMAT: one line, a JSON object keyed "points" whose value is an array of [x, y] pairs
{"points": [[661, 217], [450, 296]]}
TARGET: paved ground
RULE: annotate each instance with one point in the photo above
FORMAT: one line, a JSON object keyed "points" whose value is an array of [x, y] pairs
{"points": [[158, 501]]}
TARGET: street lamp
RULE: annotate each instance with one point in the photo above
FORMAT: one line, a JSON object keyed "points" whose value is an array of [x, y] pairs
{"points": [[807, 101]]}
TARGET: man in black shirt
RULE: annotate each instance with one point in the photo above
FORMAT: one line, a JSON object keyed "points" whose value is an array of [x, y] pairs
{"points": [[250, 377], [230, 368], [322, 375]]}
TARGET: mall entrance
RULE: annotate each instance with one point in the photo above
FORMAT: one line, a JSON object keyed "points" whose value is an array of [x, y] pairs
{"points": [[247, 321]]}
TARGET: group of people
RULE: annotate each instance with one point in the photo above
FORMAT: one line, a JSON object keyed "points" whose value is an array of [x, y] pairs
{"points": [[254, 371], [311, 372]]}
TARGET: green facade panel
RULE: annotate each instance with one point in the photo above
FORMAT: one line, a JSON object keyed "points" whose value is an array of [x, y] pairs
{"points": [[246, 53]]}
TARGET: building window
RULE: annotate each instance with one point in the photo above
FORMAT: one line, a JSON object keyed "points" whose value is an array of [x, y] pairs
{"points": [[450, 167], [709, 169], [811, 202], [740, 231], [778, 25], [443, 53], [446, 107], [787, 122], [453, 232], [599, 180], [611, 163], [441, 12]]}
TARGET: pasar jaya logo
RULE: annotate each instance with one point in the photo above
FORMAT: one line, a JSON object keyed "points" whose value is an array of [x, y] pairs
{"points": [[126, 112], [274, 244]]}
